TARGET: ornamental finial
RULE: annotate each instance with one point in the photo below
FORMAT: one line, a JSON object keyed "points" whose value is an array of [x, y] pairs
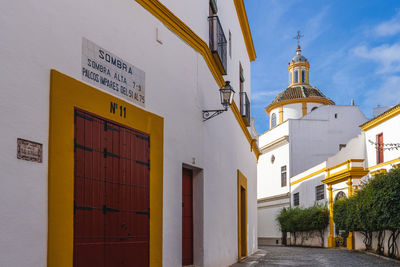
{"points": [[298, 37]]}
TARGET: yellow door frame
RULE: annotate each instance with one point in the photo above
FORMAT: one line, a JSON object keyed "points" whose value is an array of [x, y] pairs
{"points": [[67, 93], [242, 214]]}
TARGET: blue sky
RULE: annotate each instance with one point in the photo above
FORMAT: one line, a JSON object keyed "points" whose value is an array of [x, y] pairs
{"points": [[353, 48]]}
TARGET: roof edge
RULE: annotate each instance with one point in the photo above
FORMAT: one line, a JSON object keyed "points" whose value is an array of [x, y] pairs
{"points": [[325, 101], [244, 25], [381, 118]]}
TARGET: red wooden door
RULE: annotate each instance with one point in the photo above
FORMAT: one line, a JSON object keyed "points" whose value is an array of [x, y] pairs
{"points": [[379, 148], [187, 217], [111, 196]]}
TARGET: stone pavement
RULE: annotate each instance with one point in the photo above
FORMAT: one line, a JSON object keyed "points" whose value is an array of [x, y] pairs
{"points": [[304, 256]]}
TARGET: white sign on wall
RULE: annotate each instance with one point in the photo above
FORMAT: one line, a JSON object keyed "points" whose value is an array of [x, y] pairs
{"points": [[109, 72]]}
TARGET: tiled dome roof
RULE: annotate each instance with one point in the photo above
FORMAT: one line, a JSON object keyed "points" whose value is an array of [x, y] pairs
{"points": [[299, 92]]}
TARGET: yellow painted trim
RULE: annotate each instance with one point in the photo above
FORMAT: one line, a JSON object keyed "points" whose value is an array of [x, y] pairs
{"points": [[182, 30], [253, 145], [308, 176], [331, 238], [383, 117], [384, 164], [299, 100], [350, 238], [304, 108], [384, 171], [280, 114], [337, 177], [244, 25], [191, 38], [347, 162], [241, 183], [65, 94]]}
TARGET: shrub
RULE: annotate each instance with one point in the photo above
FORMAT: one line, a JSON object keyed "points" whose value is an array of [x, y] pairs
{"points": [[374, 208], [298, 220]]}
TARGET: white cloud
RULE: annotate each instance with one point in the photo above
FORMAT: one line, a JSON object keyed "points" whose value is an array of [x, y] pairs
{"points": [[388, 28], [386, 95], [388, 56]]}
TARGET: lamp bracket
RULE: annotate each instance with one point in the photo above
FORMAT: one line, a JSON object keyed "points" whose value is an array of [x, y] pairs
{"points": [[208, 114]]}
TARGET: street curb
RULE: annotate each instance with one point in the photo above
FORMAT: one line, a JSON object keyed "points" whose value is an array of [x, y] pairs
{"points": [[379, 256], [251, 260]]}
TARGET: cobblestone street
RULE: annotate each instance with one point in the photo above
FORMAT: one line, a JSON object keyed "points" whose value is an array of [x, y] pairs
{"points": [[300, 256]]}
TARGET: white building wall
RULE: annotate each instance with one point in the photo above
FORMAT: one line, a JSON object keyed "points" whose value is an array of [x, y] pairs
{"points": [[306, 188], [267, 214], [310, 106], [355, 149], [54, 40], [269, 174], [292, 111], [390, 129], [273, 134], [317, 135]]}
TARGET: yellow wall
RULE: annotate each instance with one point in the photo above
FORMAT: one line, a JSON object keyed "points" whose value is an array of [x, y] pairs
{"points": [[66, 94]]}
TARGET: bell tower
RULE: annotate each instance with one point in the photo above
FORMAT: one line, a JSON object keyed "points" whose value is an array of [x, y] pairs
{"points": [[299, 67]]}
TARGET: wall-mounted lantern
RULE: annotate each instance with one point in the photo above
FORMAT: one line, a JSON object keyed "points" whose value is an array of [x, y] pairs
{"points": [[226, 93]]}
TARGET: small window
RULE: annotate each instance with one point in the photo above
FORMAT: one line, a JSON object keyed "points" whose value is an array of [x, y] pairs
{"points": [[303, 76], [335, 115], [230, 44], [314, 108], [319, 192], [296, 199], [283, 176], [379, 148], [273, 120], [296, 76], [341, 146]]}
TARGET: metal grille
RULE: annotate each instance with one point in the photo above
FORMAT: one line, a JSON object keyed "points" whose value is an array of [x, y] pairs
{"points": [[218, 42], [296, 199], [245, 107], [319, 192]]}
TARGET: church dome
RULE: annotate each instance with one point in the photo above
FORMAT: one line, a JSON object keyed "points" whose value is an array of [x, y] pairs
{"points": [[301, 92]]}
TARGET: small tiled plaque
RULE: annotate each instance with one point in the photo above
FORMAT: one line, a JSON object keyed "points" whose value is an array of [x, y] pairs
{"points": [[30, 151]]}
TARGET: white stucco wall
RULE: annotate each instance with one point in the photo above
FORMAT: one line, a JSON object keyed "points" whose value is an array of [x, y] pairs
{"points": [[179, 86], [306, 188], [317, 135], [292, 111], [269, 174], [267, 214], [310, 106], [355, 149], [390, 129]]}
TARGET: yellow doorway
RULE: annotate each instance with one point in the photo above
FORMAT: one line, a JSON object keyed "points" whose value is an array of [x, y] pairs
{"points": [[242, 215]]}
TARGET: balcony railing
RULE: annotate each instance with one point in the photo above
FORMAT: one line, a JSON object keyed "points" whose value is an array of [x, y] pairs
{"points": [[245, 108], [218, 43]]}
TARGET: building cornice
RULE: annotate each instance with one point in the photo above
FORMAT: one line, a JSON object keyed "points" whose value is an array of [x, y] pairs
{"points": [[177, 26], [244, 25], [273, 198], [381, 118], [276, 143], [299, 100]]}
